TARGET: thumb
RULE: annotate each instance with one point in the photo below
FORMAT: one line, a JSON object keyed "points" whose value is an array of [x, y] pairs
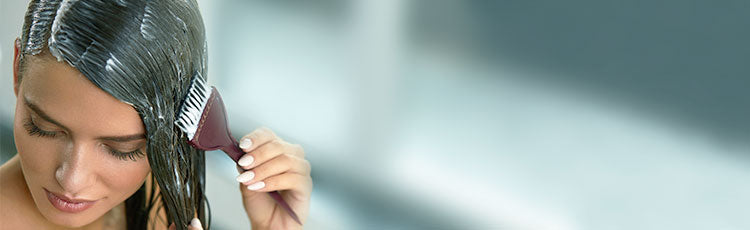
{"points": [[195, 224]]}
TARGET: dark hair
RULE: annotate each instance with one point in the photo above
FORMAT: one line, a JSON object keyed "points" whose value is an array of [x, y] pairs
{"points": [[143, 53]]}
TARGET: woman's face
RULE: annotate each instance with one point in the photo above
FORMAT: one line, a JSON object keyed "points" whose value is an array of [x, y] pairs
{"points": [[81, 150]]}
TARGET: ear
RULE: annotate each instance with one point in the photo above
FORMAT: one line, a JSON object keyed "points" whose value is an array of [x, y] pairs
{"points": [[16, 58]]}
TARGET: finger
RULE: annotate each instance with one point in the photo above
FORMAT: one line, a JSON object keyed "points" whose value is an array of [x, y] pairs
{"points": [[297, 150], [264, 153], [286, 181], [172, 227], [195, 224], [269, 150], [256, 138], [281, 164]]}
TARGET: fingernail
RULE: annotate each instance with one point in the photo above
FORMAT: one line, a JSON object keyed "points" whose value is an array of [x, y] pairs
{"points": [[246, 143], [195, 223], [256, 186], [246, 160], [245, 176]]}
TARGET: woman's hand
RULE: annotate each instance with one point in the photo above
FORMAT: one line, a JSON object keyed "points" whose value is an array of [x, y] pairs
{"points": [[195, 224], [272, 164]]}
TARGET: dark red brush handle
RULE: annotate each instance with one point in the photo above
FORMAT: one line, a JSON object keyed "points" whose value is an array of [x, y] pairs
{"points": [[213, 133]]}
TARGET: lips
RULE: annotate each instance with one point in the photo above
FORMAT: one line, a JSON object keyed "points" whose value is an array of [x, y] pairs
{"points": [[65, 204]]}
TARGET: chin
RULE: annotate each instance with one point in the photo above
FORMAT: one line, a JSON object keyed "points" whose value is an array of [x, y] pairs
{"points": [[69, 220]]}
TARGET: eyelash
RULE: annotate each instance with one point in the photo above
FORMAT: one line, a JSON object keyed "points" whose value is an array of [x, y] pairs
{"points": [[34, 130], [134, 155]]}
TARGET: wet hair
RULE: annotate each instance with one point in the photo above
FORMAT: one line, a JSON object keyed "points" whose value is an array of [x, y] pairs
{"points": [[144, 53]]}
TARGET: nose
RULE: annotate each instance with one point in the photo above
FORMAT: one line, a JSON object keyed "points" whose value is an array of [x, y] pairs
{"points": [[75, 174]]}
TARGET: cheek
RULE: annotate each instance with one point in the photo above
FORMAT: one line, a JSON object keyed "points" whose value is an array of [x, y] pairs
{"points": [[39, 156], [125, 177]]}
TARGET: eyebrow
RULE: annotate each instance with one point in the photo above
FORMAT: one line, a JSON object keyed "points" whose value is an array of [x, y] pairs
{"points": [[41, 113], [46, 117], [124, 138]]}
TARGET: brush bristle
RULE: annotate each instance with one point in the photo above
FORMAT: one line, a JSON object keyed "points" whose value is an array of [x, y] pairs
{"points": [[193, 105]]}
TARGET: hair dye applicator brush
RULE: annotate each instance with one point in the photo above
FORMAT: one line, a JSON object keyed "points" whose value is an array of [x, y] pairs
{"points": [[203, 118]]}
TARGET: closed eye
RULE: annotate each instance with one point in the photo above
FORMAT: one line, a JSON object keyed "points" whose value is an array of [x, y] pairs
{"points": [[132, 155], [34, 130]]}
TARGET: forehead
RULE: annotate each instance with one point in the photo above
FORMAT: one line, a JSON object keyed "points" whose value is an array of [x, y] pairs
{"points": [[70, 98]]}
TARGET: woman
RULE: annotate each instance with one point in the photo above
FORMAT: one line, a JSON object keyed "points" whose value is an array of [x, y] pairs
{"points": [[98, 84]]}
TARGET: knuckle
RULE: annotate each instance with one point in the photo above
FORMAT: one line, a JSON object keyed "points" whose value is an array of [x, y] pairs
{"points": [[284, 163], [276, 144], [298, 148], [307, 167], [271, 183], [266, 131], [270, 132], [256, 133], [285, 159], [260, 152], [267, 149], [280, 164], [272, 167], [260, 169], [260, 173], [296, 164]]}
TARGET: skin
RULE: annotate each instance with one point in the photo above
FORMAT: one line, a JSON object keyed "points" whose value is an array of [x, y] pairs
{"points": [[279, 165], [82, 126]]}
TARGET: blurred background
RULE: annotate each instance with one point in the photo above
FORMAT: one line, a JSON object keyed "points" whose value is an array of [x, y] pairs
{"points": [[442, 114]]}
